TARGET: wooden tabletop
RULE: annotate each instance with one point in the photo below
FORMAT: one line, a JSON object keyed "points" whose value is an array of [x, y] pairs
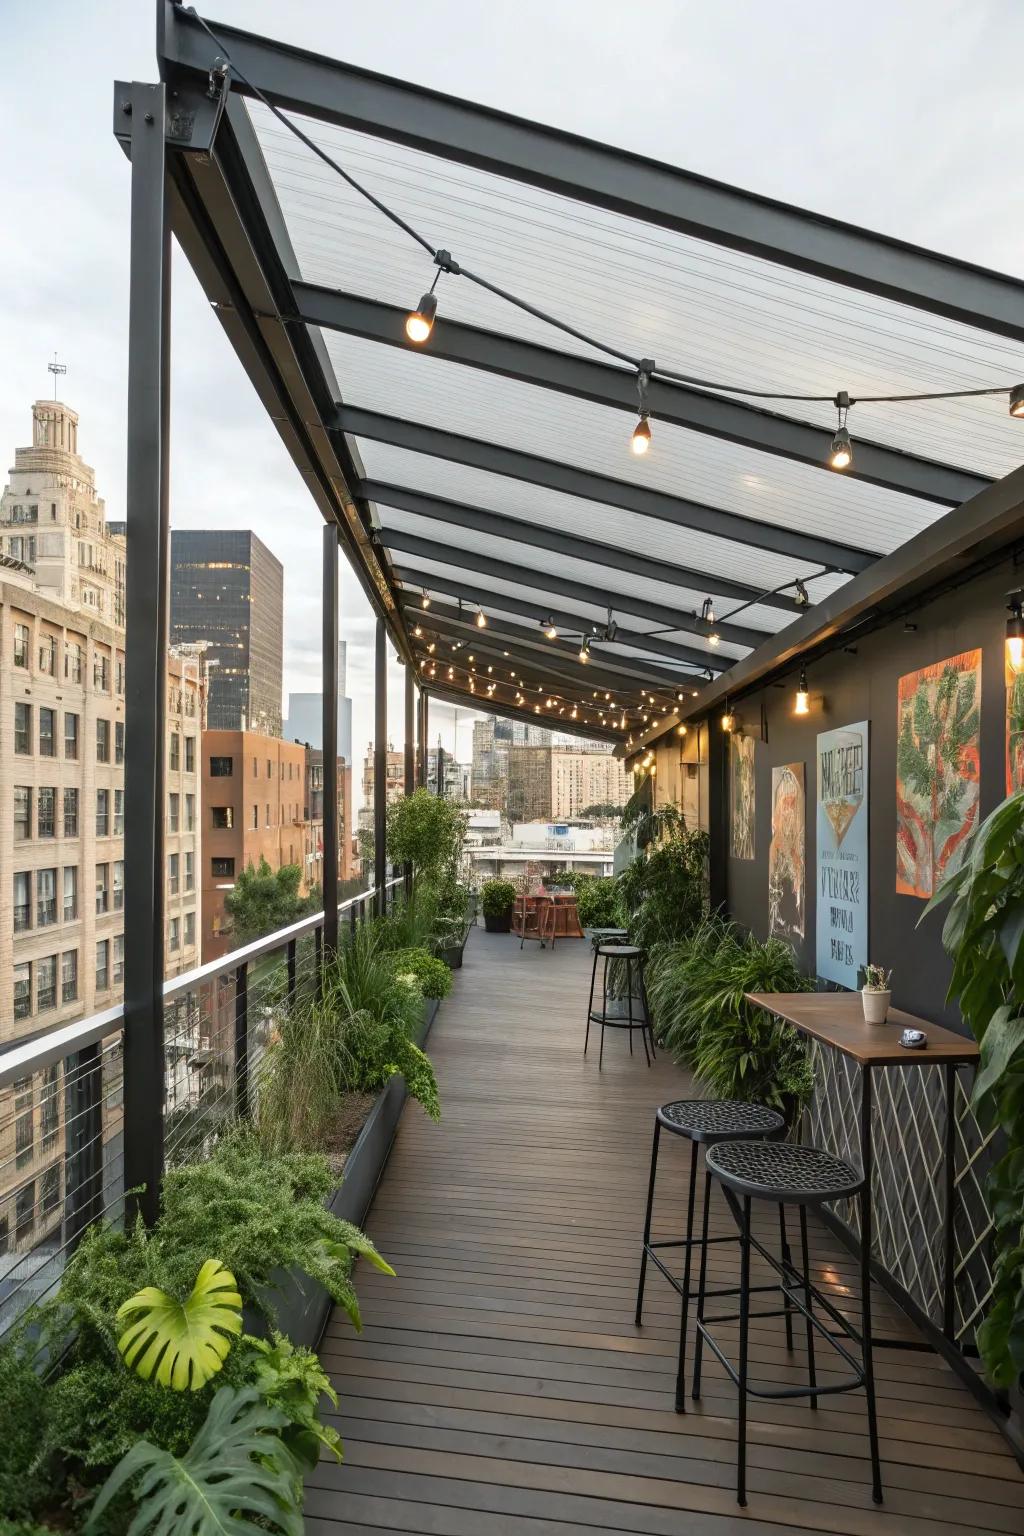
{"points": [[837, 1019]]}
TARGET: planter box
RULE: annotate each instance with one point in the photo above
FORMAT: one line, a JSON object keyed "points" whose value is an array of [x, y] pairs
{"points": [[451, 954], [498, 924], [302, 1306]]}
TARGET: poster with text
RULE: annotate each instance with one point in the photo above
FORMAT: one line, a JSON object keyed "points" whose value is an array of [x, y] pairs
{"points": [[741, 796], [1014, 724], [842, 820], [787, 886], [938, 771]]}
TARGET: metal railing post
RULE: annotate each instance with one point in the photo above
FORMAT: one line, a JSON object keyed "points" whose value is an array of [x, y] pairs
{"points": [[83, 1118], [292, 981], [242, 1041], [410, 752], [380, 762], [146, 645], [330, 736]]}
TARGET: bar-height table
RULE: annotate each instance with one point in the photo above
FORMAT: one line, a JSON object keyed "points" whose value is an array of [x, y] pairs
{"points": [[836, 1020]]}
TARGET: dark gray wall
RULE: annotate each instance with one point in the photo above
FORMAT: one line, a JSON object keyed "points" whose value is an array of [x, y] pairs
{"points": [[848, 688]]}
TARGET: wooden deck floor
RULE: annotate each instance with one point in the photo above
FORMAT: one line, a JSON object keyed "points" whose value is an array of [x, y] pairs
{"points": [[500, 1387]]}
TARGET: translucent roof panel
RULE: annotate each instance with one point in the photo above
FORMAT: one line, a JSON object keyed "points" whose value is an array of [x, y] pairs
{"points": [[762, 486], [693, 306], [687, 547]]}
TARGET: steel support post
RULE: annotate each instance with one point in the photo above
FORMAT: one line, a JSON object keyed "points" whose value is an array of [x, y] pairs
{"points": [[146, 646], [330, 736], [424, 727], [410, 751], [380, 762]]}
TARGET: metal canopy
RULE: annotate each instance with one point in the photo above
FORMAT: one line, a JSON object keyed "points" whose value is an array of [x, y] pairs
{"points": [[493, 462]]}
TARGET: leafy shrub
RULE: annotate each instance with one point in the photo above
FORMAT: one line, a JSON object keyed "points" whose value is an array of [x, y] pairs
{"points": [[664, 891], [497, 897], [22, 1481], [427, 832], [597, 901], [182, 1344], [432, 976]]}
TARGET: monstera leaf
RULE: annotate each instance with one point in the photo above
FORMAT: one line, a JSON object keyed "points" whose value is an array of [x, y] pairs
{"points": [[181, 1344], [237, 1466]]}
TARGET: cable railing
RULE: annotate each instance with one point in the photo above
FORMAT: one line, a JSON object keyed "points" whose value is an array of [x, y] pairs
{"points": [[62, 1094]]}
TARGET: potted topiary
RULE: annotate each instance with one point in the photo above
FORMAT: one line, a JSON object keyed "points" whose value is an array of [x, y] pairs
{"points": [[497, 898], [876, 994]]}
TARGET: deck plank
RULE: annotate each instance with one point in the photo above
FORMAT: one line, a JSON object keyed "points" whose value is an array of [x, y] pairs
{"points": [[500, 1385]]}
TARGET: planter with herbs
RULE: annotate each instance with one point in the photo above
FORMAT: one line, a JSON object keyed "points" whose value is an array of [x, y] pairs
{"points": [[497, 899]]}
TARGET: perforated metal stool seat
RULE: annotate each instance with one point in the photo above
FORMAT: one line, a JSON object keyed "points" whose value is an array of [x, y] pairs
{"points": [[630, 1010], [785, 1174], [778, 1170], [714, 1120]]}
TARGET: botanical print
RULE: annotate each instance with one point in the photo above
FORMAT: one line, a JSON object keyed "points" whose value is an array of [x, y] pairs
{"points": [[842, 890], [786, 873], [937, 771], [741, 796], [1014, 728]]}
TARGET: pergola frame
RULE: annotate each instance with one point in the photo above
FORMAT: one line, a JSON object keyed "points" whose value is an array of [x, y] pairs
{"points": [[198, 171]]}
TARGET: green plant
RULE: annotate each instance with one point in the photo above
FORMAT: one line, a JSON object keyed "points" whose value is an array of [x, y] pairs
{"points": [[182, 1344], [876, 978], [298, 1087], [264, 899], [22, 1476], [427, 832], [294, 1381], [984, 933], [664, 891], [237, 1466], [497, 898], [431, 975], [597, 901]]}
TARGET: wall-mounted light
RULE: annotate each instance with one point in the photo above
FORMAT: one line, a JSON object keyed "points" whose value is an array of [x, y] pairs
{"points": [[803, 698], [1015, 633], [680, 730], [728, 719]]}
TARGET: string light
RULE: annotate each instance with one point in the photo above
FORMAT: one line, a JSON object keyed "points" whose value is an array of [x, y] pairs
{"points": [[424, 602], [841, 452], [432, 647], [641, 440], [585, 651], [680, 730], [1015, 633], [550, 631], [728, 719], [418, 631], [1017, 400], [803, 698], [481, 619]]}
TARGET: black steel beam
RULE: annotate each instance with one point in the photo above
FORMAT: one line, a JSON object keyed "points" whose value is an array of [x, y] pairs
{"points": [[410, 730], [424, 726], [576, 547], [146, 637], [416, 580], [605, 384], [329, 664], [380, 763], [572, 481], [603, 176], [453, 694], [519, 576]]}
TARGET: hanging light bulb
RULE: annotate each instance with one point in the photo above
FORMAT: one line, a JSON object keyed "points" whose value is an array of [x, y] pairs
{"points": [[841, 452], [481, 619], [1015, 634], [1017, 400], [424, 602], [585, 651], [451, 671], [803, 698], [550, 631], [418, 631], [714, 638], [728, 720], [420, 323], [641, 440], [680, 730], [432, 647], [573, 715]]}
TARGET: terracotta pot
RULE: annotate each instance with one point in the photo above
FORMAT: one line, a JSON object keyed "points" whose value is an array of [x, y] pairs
{"points": [[876, 1005]]}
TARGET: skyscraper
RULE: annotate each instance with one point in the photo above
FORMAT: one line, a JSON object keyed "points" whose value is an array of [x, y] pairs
{"points": [[228, 589]]}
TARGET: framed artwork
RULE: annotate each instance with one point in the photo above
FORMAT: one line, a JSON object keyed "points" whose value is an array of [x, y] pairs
{"points": [[938, 770], [787, 887], [1014, 727], [842, 854], [741, 796]]}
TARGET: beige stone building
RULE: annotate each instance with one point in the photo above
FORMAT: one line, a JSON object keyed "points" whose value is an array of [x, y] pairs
{"points": [[580, 779]]}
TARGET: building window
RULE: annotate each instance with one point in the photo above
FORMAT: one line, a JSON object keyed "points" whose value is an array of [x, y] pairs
{"points": [[47, 722], [103, 741], [70, 736], [255, 768], [190, 754], [269, 769], [50, 1190], [103, 813], [49, 1101], [72, 662], [190, 929], [46, 983], [23, 728], [46, 897], [221, 767], [102, 965], [22, 644], [48, 656], [25, 1211], [222, 817], [24, 1122], [190, 870], [222, 869], [174, 934], [119, 669], [69, 976], [175, 752], [22, 900], [173, 877], [190, 813], [268, 813], [101, 672], [71, 813], [23, 990], [46, 805], [70, 892], [118, 959], [118, 885], [118, 741], [119, 813], [173, 804], [102, 888], [255, 817], [22, 811]]}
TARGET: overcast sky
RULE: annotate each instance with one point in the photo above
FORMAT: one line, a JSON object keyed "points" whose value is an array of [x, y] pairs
{"points": [[902, 117]]}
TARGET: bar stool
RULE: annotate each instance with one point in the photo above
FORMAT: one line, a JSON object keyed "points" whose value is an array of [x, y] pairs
{"points": [[788, 1175], [630, 956], [707, 1122]]}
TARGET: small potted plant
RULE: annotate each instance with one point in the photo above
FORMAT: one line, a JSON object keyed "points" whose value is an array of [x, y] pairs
{"points": [[497, 898], [876, 994]]}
